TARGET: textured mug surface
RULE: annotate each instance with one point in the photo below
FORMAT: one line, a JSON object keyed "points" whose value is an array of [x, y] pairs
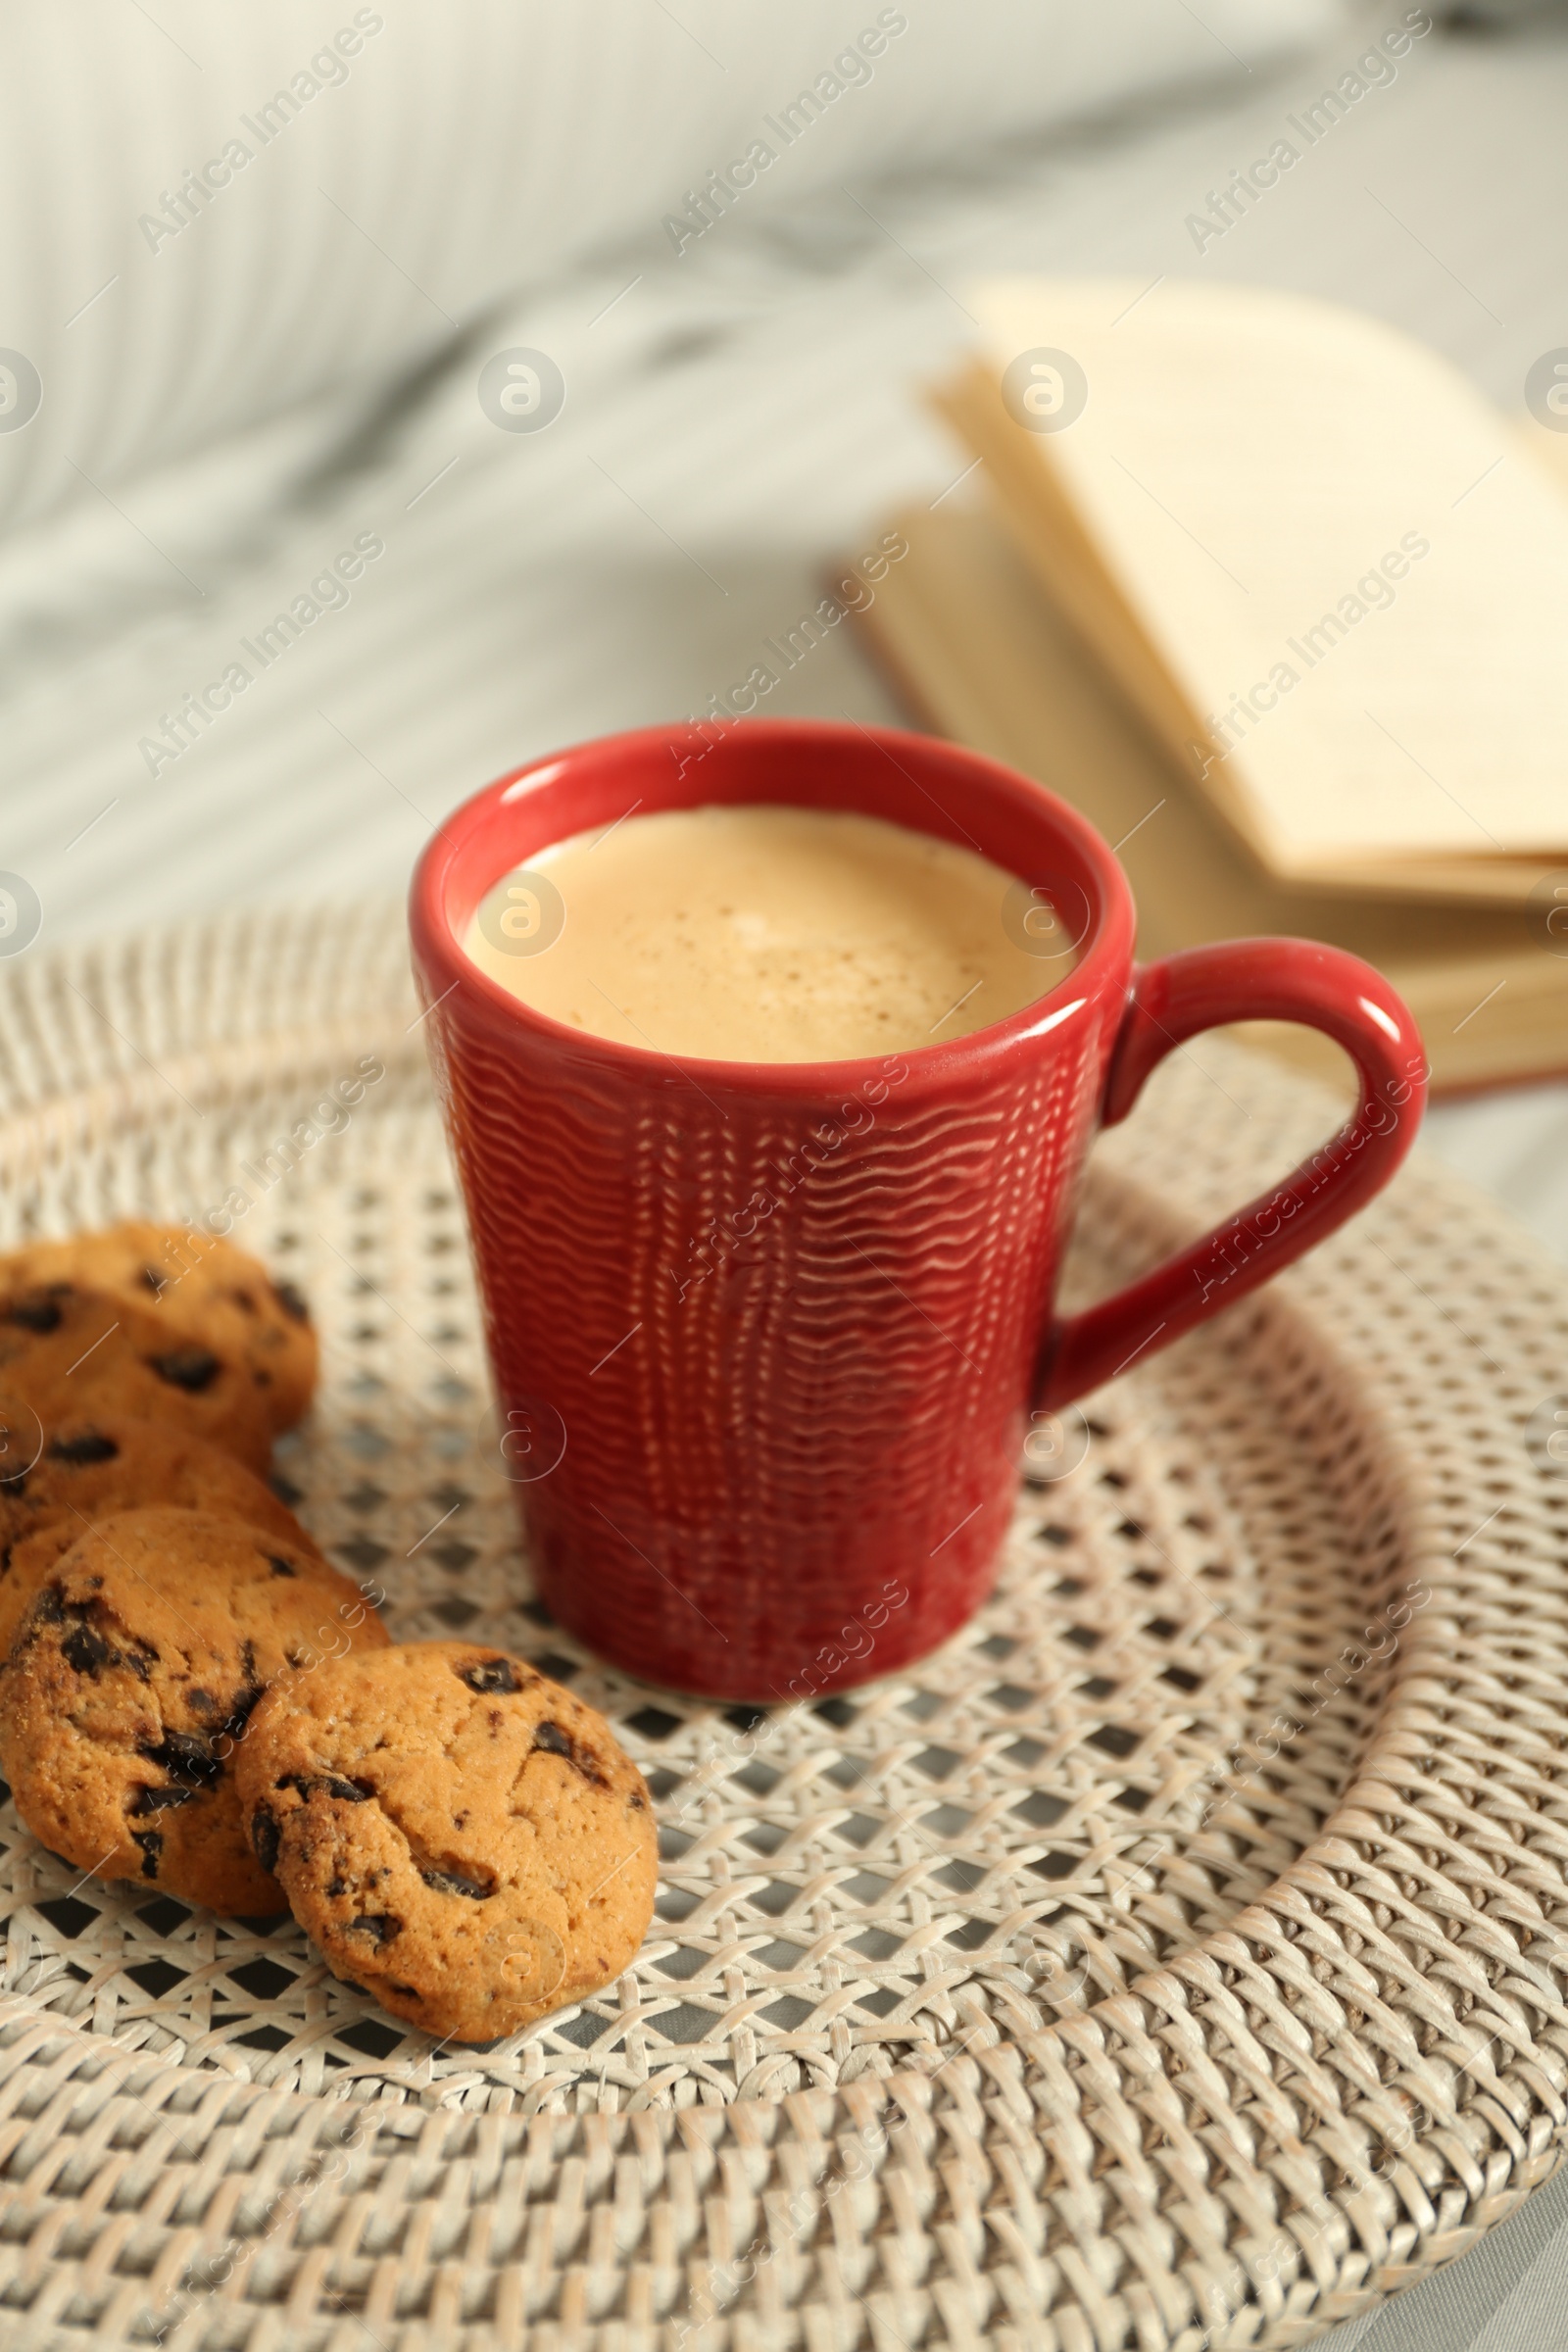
{"points": [[768, 1339]]}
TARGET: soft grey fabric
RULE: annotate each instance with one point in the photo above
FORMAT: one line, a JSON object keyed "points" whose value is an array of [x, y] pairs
{"points": [[208, 212]]}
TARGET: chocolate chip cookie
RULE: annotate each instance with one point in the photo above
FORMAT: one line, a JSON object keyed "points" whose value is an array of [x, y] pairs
{"points": [[68, 1352], [93, 1465], [204, 1291], [131, 1682], [462, 1838]]}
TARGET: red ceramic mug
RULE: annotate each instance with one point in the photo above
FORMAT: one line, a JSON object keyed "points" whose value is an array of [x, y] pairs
{"points": [[767, 1337]]}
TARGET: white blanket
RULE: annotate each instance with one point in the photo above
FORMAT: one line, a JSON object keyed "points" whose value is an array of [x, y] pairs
{"points": [[208, 212]]}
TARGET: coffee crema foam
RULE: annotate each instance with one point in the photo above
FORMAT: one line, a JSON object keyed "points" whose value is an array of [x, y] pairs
{"points": [[764, 933]]}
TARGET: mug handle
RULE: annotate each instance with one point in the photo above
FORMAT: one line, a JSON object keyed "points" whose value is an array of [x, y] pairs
{"points": [[1205, 988]]}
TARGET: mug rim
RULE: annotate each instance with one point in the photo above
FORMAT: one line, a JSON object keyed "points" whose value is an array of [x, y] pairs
{"points": [[442, 956]]}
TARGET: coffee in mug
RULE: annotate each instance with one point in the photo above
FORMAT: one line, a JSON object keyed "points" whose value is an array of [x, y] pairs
{"points": [[768, 933]]}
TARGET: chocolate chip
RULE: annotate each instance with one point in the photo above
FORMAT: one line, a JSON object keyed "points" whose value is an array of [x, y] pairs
{"points": [[290, 1300], [243, 1299], [379, 1925], [88, 1445], [348, 1792], [187, 1756], [242, 1710], [161, 1800], [489, 1674], [556, 1742], [151, 1842], [85, 1650], [279, 1566], [265, 1839], [35, 1311], [16, 1483], [448, 1881], [191, 1368], [157, 1282]]}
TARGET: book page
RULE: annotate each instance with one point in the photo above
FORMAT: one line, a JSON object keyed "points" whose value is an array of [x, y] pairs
{"points": [[1350, 570]]}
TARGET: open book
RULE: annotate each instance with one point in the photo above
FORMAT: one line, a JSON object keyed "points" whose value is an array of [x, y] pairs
{"points": [[1330, 578]]}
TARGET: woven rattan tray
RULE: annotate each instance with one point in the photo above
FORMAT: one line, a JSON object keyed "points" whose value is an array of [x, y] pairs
{"points": [[1175, 1959]]}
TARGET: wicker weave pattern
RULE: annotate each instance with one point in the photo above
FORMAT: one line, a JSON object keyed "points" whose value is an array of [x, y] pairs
{"points": [[1181, 1942]]}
